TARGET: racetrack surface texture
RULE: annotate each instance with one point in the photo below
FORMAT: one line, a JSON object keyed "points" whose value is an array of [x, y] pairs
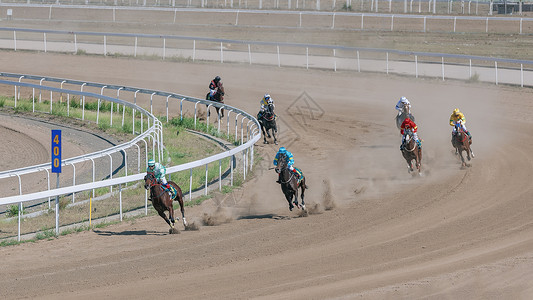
{"points": [[375, 231]]}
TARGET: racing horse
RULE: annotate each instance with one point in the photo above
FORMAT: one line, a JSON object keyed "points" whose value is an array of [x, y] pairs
{"points": [[268, 122], [290, 184], [411, 152], [162, 201], [218, 96], [402, 116], [461, 142]]}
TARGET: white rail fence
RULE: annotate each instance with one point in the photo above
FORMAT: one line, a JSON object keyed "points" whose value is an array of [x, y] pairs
{"points": [[397, 6], [245, 127], [418, 64], [383, 21]]}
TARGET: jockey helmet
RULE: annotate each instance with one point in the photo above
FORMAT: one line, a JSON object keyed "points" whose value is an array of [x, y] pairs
{"points": [[456, 111], [282, 150], [403, 99], [151, 163], [267, 97], [217, 78]]}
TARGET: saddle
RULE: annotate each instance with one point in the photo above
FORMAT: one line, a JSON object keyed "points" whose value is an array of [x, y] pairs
{"points": [[300, 175], [172, 191]]}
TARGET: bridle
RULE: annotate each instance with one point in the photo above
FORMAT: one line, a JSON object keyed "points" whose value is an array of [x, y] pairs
{"points": [[410, 137], [285, 167], [268, 115]]}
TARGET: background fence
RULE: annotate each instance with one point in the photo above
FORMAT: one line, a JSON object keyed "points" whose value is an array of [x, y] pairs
{"points": [[440, 7], [417, 64], [470, 20], [244, 127]]}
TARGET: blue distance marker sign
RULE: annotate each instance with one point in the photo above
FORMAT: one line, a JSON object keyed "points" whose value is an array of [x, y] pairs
{"points": [[56, 151]]}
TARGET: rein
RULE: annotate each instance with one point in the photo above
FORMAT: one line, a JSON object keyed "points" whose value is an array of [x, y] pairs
{"points": [[288, 180]]}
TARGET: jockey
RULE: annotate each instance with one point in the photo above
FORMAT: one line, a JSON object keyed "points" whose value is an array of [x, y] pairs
{"points": [[458, 118], [213, 86], [159, 171], [403, 102], [408, 124], [290, 162], [264, 102]]}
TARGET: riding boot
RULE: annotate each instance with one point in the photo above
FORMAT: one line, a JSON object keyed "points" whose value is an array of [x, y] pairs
{"points": [[401, 147]]}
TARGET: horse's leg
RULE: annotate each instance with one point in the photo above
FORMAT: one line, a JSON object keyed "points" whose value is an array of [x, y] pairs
{"points": [[463, 163], [295, 188], [288, 196], [274, 132], [302, 186], [264, 134], [182, 209], [161, 212], [170, 208]]}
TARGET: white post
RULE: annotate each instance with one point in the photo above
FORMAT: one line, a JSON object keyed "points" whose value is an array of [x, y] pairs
{"points": [[135, 48], [45, 42], [521, 74], [442, 68], [193, 49], [279, 61], [416, 66], [496, 71], [221, 54], [358, 62], [307, 58], [387, 63], [105, 45], [249, 54]]}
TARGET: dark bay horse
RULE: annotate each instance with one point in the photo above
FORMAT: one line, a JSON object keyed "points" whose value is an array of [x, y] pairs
{"points": [[217, 97], [268, 122], [461, 142], [162, 201], [411, 152], [290, 184], [402, 116]]}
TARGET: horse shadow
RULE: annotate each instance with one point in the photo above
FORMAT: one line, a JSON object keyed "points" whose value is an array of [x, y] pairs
{"points": [[265, 216], [128, 232]]}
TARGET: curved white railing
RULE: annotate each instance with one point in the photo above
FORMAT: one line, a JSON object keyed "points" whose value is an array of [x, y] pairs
{"points": [[154, 132]]}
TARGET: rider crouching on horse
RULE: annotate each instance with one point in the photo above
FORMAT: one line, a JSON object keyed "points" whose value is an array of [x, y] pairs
{"points": [[213, 88], [290, 162], [457, 119], [403, 103], [264, 102], [409, 125], [159, 172]]}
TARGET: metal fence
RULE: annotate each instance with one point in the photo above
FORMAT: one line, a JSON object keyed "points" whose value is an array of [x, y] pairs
{"points": [[182, 48], [245, 128], [385, 6], [417, 19]]}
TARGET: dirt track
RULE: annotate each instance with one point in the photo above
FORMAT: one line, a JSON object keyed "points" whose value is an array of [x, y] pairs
{"points": [[460, 234]]}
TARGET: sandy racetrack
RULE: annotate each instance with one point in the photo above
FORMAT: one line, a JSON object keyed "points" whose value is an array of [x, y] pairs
{"points": [[460, 234]]}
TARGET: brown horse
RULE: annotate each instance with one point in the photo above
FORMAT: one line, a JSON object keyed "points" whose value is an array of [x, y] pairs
{"points": [[218, 96], [162, 201], [268, 122], [290, 184], [411, 152], [461, 142]]}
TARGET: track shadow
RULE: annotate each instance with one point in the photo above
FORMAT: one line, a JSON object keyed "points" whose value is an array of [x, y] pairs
{"points": [[128, 232], [267, 216]]}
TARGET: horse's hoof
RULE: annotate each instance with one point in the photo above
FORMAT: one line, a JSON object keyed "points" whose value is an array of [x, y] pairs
{"points": [[173, 231], [276, 142], [265, 142]]}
